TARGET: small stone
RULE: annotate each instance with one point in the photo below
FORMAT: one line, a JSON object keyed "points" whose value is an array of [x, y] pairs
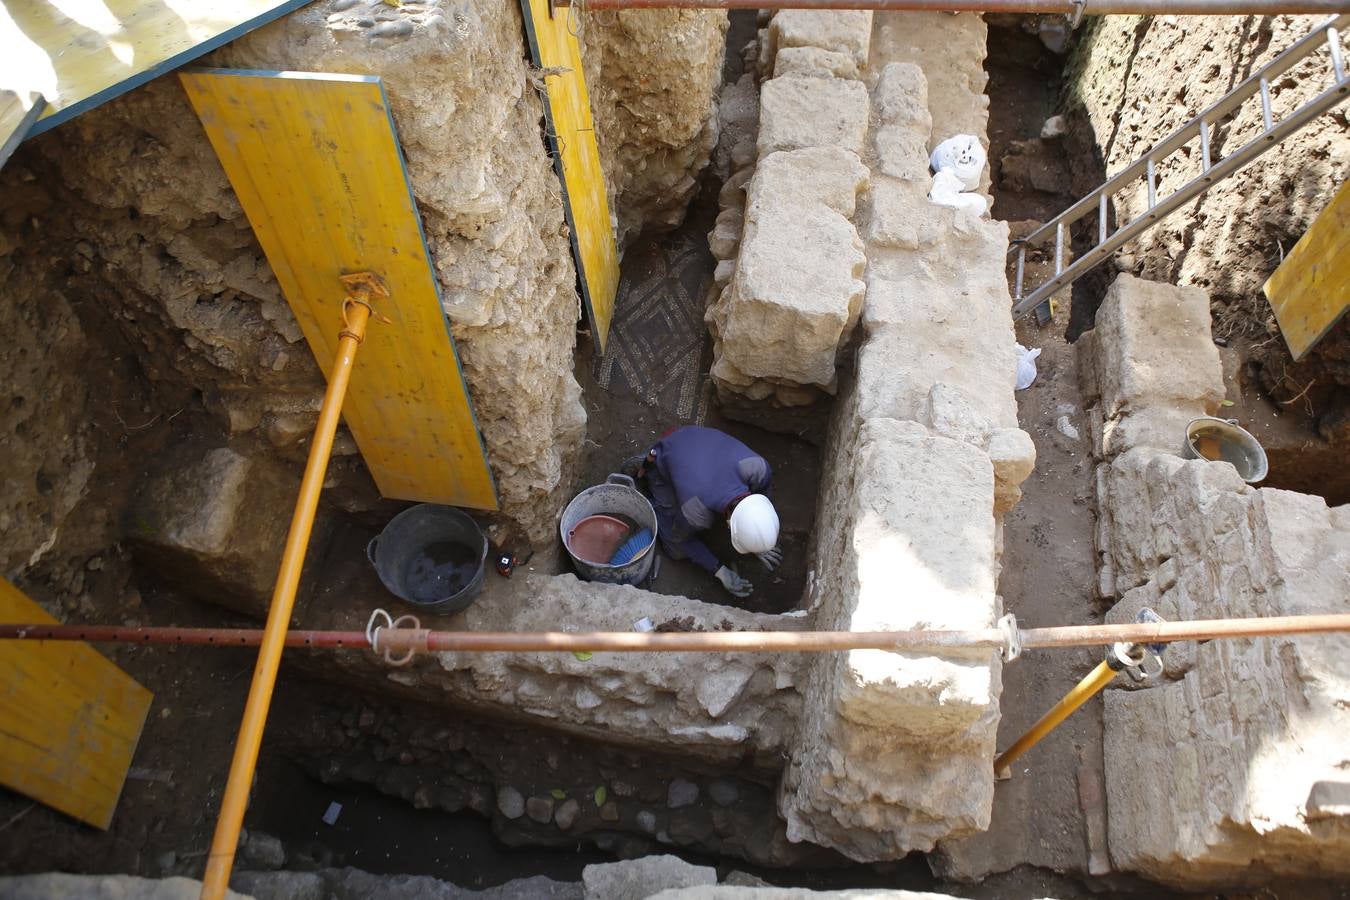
{"points": [[567, 814], [510, 803], [367, 719], [681, 793], [724, 792], [646, 820], [1054, 127], [540, 809], [262, 851], [610, 812], [622, 788], [166, 861], [401, 28]]}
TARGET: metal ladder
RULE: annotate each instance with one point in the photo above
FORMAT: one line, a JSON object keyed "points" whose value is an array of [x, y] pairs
{"points": [[1211, 171]]}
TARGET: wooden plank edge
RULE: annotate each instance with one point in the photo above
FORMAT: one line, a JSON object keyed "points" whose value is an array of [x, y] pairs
{"points": [[599, 335], [440, 303], [11, 142], [60, 116]]}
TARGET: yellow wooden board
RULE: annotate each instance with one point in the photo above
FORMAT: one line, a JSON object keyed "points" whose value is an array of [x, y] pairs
{"points": [[18, 113], [80, 53], [317, 167], [571, 135], [1310, 291], [69, 719]]}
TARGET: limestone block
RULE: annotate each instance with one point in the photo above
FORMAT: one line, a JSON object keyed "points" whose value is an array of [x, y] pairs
{"points": [[1154, 347], [60, 886], [1013, 454], [830, 176], [815, 62], [215, 522], [638, 879], [919, 337], [1156, 426], [795, 295], [901, 98], [900, 216], [726, 234], [738, 117], [843, 31], [797, 111]]}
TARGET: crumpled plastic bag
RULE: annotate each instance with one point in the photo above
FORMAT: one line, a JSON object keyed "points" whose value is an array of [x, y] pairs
{"points": [[1026, 366]]}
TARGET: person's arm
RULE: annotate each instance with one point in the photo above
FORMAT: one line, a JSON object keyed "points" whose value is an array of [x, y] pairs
{"points": [[698, 551], [755, 472]]}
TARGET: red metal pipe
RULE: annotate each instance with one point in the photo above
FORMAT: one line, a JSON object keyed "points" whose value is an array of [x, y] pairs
{"points": [[1067, 7], [400, 640]]}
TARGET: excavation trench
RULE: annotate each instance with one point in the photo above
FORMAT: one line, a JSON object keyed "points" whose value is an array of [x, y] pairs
{"points": [[162, 389]]}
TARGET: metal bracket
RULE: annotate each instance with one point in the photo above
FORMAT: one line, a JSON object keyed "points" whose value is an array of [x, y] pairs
{"points": [[1079, 10], [1140, 661], [1012, 635]]}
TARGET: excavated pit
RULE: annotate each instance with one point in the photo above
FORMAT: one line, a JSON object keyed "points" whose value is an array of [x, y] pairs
{"points": [[154, 362]]}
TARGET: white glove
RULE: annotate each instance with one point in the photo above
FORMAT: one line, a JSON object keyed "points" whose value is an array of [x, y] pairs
{"points": [[734, 583], [770, 558]]}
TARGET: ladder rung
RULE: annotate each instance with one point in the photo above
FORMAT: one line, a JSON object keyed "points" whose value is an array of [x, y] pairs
{"points": [[1151, 174], [1101, 219], [1265, 109], [1059, 248], [1204, 149], [1337, 64], [1021, 268]]}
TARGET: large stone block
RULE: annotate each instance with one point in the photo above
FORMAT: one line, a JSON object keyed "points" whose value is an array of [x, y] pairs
{"points": [[641, 878], [814, 62], [842, 31], [830, 176], [214, 522], [1154, 347], [797, 289], [799, 111]]}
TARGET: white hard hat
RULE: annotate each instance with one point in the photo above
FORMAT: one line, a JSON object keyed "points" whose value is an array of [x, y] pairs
{"points": [[754, 525]]}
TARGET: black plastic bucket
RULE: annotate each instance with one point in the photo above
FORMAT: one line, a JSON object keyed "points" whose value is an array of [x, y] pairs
{"points": [[431, 556]]}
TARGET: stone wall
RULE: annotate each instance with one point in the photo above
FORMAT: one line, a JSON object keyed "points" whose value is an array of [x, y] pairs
{"points": [[1136, 79], [654, 78], [895, 750], [724, 707], [792, 297], [1229, 769]]}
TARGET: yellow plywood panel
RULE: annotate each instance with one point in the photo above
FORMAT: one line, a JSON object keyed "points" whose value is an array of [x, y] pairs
{"points": [[576, 156], [18, 113], [318, 170], [80, 53], [69, 719], [1310, 291]]}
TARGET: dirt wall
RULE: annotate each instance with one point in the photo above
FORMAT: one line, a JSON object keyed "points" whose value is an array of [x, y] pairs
{"points": [[1136, 79], [653, 77]]}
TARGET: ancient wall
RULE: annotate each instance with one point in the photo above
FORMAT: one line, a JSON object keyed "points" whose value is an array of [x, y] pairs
{"points": [[654, 78], [1230, 768], [1135, 80], [894, 750]]}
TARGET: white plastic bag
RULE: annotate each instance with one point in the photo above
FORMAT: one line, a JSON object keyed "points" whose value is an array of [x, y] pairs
{"points": [[1026, 366], [964, 156]]}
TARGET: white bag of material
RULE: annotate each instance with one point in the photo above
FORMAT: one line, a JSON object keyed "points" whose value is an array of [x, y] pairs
{"points": [[946, 191], [964, 156], [1026, 366]]}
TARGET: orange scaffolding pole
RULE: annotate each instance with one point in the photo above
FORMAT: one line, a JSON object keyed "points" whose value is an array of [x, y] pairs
{"points": [[355, 313]]}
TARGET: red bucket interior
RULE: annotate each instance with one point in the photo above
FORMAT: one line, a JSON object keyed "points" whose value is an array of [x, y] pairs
{"points": [[596, 538]]}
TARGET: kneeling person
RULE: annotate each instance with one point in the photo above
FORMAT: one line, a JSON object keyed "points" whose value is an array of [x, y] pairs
{"points": [[698, 474]]}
